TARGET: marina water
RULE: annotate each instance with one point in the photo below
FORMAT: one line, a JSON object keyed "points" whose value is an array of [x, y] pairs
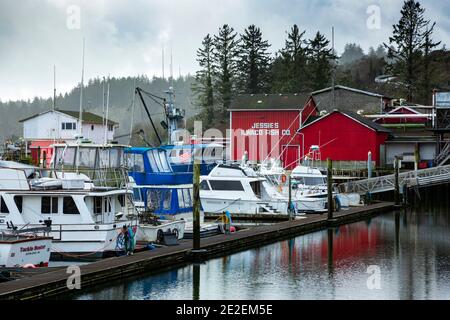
{"points": [[398, 255]]}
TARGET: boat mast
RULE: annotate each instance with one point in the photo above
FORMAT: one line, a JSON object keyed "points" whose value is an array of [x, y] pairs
{"points": [[107, 114], [80, 130]]}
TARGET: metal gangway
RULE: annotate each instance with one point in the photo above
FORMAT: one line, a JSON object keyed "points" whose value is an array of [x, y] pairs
{"points": [[419, 178]]}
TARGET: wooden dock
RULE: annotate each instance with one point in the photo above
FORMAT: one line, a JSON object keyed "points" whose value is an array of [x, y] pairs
{"points": [[48, 284]]}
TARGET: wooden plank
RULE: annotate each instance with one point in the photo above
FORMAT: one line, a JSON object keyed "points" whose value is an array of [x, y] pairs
{"points": [[54, 282]]}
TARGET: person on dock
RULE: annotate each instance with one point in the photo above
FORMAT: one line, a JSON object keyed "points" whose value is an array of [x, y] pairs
{"points": [[125, 242]]}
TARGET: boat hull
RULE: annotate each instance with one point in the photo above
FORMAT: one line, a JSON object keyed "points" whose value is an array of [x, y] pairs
{"points": [[149, 233], [20, 253]]}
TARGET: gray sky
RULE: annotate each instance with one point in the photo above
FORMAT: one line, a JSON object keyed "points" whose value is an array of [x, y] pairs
{"points": [[125, 38]]}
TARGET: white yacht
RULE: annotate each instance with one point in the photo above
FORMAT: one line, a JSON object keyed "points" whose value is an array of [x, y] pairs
{"points": [[86, 196], [239, 189]]}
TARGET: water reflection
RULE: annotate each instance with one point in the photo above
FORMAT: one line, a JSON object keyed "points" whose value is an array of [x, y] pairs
{"points": [[411, 248]]}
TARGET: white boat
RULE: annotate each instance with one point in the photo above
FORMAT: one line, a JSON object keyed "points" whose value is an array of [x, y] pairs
{"points": [[152, 230], [155, 232], [24, 248], [84, 195], [239, 190]]}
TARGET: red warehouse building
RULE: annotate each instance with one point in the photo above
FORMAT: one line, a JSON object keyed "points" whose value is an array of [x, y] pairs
{"points": [[346, 137], [266, 125]]}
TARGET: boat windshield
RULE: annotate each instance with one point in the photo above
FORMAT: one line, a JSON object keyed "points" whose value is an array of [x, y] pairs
{"points": [[311, 181], [88, 157]]}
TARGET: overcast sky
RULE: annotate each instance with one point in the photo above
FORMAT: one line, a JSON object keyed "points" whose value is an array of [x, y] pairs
{"points": [[125, 38]]}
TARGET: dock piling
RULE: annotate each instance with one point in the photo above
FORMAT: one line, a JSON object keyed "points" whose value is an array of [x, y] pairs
{"points": [[196, 206], [330, 188], [397, 186]]}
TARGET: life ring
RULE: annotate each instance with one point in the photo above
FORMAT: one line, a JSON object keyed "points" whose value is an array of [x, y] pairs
{"points": [[175, 232]]}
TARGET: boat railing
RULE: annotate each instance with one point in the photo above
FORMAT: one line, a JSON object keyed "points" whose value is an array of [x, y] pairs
{"points": [[76, 178]]}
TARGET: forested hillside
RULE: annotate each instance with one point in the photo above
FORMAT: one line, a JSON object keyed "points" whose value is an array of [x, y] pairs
{"points": [[121, 95]]}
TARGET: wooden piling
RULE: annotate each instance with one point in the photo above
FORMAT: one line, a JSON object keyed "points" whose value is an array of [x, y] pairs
{"points": [[290, 213], [330, 188], [397, 186], [196, 206]]}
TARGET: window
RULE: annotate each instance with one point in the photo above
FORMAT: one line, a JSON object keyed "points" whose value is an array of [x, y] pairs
{"points": [[180, 198], [19, 201], [69, 126], [167, 199], [4, 207], [107, 204], [97, 205], [204, 185], [187, 198], [92, 127], [110, 127], [49, 205], [69, 206], [121, 199], [226, 185]]}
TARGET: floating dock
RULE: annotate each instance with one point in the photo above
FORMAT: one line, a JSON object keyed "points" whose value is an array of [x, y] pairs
{"points": [[52, 283]]}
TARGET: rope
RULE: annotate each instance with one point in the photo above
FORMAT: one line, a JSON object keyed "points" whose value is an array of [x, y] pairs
{"points": [[227, 206], [84, 254]]}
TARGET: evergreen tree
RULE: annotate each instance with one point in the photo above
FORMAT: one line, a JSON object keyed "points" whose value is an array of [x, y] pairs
{"points": [[289, 70], [352, 52], [428, 71], [408, 38], [225, 57], [321, 60], [254, 62], [203, 85]]}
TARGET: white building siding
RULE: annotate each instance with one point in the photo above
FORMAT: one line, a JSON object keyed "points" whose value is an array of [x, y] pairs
{"points": [[96, 133], [49, 126]]}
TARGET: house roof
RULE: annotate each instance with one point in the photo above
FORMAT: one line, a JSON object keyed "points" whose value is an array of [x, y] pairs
{"points": [[362, 120], [88, 117], [339, 87], [294, 101]]}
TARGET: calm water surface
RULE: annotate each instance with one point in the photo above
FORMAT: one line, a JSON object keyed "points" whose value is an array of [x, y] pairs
{"points": [[411, 249]]}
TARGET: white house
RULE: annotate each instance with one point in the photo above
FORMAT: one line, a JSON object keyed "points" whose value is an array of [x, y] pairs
{"points": [[45, 128]]}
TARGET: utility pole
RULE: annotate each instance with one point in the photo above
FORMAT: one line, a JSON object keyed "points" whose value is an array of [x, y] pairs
{"points": [[333, 73], [54, 87]]}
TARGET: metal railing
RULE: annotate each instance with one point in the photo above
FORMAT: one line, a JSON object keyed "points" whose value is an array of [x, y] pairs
{"points": [[422, 177]]}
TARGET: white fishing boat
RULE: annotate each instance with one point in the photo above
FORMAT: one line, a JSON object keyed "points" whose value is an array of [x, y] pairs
{"points": [[239, 190], [306, 181], [24, 248]]}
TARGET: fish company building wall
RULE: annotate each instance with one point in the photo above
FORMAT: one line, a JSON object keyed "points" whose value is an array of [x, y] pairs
{"points": [[346, 137], [266, 126]]}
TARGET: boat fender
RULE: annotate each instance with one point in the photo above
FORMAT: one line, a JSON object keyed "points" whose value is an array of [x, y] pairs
{"points": [[29, 266], [232, 229], [175, 232]]}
